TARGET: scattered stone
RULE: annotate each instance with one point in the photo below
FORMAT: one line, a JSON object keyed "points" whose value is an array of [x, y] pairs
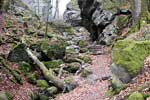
{"points": [[73, 67], [52, 90]]}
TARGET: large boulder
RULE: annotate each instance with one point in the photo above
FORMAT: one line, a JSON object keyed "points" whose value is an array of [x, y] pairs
{"points": [[121, 73], [19, 54], [128, 56]]}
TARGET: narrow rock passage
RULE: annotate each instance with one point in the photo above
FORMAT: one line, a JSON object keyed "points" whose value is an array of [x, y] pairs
{"points": [[96, 90]]}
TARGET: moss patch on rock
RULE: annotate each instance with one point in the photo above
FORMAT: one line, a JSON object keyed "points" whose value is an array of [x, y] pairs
{"points": [[53, 64], [136, 96], [130, 54], [54, 51], [31, 77], [42, 84]]}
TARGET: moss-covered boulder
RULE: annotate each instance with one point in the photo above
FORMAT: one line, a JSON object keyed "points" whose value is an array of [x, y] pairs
{"points": [[82, 44], [42, 84], [18, 54], [86, 72], [43, 97], [136, 96], [130, 54], [86, 58], [31, 77], [73, 67], [54, 51], [25, 67]]}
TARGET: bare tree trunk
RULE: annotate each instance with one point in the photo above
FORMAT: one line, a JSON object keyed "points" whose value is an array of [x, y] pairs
{"points": [[56, 15], [136, 10], [49, 7], [140, 10], [140, 14], [38, 2]]}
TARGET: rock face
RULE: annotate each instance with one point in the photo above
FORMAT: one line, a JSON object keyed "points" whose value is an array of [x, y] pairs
{"points": [[120, 73], [97, 16]]}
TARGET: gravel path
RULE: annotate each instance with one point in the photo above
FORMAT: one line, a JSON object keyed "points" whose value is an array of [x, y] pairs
{"points": [[96, 90]]}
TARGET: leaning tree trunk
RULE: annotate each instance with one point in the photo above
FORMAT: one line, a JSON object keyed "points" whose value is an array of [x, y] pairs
{"points": [[48, 74]]}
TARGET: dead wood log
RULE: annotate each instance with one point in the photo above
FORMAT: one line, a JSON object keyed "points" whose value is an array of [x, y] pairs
{"points": [[48, 74]]}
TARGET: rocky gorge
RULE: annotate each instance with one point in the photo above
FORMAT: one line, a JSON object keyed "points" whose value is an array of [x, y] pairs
{"points": [[100, 52]]}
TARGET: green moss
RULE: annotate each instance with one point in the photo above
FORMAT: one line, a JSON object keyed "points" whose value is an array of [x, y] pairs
{"points": [[70, 30], [86, 59], [54, 51], [136, 96], [116, 86], [130, 54], [42, 84], [86, 72], [69, 80], [5, 95], [73, 67], [137, 26], [52, 90], [53, 64], [9, 22], [70, 50], [123, 21], [110, 92], [9, 95], [25, 67], [43, 97], [17, 77], [31, 77], [82, 44], [146, 95], [29, 31], [34, 96], [109, 5]]}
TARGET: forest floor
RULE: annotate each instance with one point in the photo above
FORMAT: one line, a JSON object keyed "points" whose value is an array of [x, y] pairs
{"points": [[96, 90], [94, 87]]}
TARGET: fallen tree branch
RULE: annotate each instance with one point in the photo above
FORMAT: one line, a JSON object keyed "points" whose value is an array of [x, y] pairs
{"points": [[48, 74]]}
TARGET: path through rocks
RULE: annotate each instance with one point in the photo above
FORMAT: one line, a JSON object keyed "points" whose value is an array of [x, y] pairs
{"points": [[92, 90]]}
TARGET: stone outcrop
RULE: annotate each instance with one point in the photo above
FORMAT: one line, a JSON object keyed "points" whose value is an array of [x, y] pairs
{"points": [[72, 13], [105, 19], [99, 17]]}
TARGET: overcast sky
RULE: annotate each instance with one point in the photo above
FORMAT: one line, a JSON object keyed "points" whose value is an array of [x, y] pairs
{"points": [[62, 5]]}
